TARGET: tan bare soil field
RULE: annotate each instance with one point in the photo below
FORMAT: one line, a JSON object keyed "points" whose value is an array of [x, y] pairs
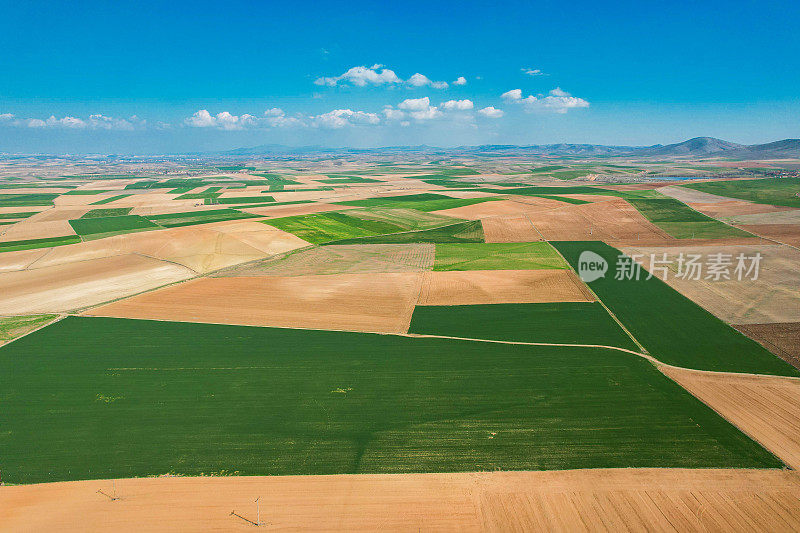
{"points": [[770, 298], [17, 209], [502, 286], [767, 408], [611, 220], [499, 208], [692, 196], [789, 216], [342, 259], [84, 283], [28, 229], [515, 228], [20, 259], [58, 213], [202, 248], [352, 302], [782, 339], [577, 500], [734, 207], [783, 233]]}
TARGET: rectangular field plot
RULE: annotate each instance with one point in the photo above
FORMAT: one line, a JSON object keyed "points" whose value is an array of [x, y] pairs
{"points": [[562, 322], [30, 244], [497, 256], [179, 398], [673, 328], [420, 202], [682, 222], [173, 220], [773, 191], [470, 231], [102, 226], [326, 227]]}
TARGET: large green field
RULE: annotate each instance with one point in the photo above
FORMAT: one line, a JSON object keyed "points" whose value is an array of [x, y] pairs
{"points": [[681, 221], [420, 202], [326, 227], [460, 232], [96, 398], [33, 199], [674, 329], [47, 242], [93, 227], [560, 322], [496, 256], [190, 218], [773, 191]]}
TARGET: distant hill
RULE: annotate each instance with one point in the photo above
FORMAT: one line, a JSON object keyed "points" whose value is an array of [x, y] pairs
{"points": [[698, 147]]}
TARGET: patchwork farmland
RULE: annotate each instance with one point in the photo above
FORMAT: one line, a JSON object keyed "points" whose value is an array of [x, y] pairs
{"points": [[417, 330]]}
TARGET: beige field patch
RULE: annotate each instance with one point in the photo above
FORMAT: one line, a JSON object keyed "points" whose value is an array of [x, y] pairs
{"points": [[767, 408], [351, 302], [59, 213], [202, 248], [789, 216], [574, 500], [773, 297], [342, 259], [27, 229], [502, 286], [20, 259], [84, 283]]}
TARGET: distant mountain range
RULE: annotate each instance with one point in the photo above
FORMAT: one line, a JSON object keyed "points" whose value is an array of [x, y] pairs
{"points": [[699, 147]]}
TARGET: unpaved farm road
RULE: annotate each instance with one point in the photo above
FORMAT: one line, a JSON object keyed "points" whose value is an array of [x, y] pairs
{"points": [[572, 500]]}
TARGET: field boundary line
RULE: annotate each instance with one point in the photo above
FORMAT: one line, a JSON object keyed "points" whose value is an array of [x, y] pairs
{"points": [[59, 317]]}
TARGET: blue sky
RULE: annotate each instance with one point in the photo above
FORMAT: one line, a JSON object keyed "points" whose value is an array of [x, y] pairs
{"points": [[139, 77]]}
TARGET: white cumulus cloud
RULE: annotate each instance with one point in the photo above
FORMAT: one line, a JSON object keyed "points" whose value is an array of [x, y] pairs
{"points": [[457, 105], [533, 71], [491, 112], [557, 101], [339, 118], [362, 76], [461, 80]]}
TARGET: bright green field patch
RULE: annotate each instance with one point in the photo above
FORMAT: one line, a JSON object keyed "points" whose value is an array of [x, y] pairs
{"points": [[10, 216], [420, 202], [12, 327], [29, 244], [193, 398], [674, 329], [35, 199], [575, 201], [85, 192], [113, 224], [681, 221], [198, 196], [109, 212], [110, 199], [562, 322], [470, 231], [191, 218], [497, 256], [772, 191], [326, 227]]}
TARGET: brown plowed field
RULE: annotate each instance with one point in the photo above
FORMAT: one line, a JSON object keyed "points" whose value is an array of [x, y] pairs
{"points": [[772, 297], [735, 207], [767, 408], [352, 302], [614, 219], [342, 259], [516, 228], [473, 287], [784, 233], [83, 283], [499, 208], [577, 500], [781, 339]]}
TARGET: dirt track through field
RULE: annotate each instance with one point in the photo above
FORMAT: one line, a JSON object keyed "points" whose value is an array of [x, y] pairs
{"points": [[577, 500]]}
